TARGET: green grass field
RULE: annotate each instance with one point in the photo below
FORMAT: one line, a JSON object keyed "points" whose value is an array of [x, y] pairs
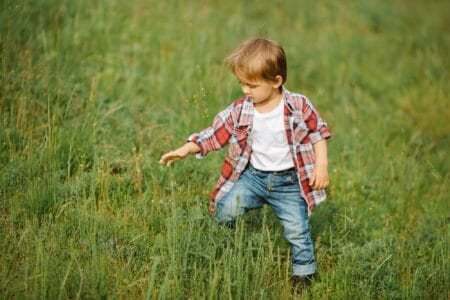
{"points": [[94, 92]]}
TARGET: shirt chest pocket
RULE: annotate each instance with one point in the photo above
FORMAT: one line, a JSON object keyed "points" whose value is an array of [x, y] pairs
{"points": [[300, 132], [238, 142], [303, 146]]}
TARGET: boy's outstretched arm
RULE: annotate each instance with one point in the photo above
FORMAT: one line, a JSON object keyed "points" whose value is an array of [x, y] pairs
{"points": [[319, 179], [180, 153]]}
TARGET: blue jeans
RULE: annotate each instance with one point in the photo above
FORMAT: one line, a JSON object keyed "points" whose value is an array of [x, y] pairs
{"points": [[282, 192]]}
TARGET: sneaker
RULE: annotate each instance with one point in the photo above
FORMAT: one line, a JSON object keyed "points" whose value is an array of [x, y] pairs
{"points": [[301, 282]]}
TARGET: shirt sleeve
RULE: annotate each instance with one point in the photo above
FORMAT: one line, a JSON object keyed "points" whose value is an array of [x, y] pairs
{"points": [[216, 136], [318, 129]]}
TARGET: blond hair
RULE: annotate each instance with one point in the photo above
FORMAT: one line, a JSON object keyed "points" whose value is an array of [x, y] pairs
{"points": [[257, 59]]}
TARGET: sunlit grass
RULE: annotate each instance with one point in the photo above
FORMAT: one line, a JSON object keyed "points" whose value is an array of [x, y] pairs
{"points": [[93, 92]]}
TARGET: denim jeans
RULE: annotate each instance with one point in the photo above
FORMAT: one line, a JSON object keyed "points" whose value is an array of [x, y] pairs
{"points": [[282, 192]]}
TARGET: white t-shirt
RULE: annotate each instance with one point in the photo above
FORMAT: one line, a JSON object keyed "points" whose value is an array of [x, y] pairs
{"points": [[270, 149]]}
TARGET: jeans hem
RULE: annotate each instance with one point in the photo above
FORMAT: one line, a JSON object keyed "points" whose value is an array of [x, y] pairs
{"points": [[304, 270]]}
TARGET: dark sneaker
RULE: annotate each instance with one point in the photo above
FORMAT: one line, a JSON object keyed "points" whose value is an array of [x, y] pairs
{"points": [[301, 282]]}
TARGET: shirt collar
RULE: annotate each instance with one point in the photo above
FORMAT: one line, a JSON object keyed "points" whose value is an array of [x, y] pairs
{"points": [[248, 109], [287, 99]]}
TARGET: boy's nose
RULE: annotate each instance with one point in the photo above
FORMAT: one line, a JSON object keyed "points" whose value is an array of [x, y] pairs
{"points": [[246, 90]]}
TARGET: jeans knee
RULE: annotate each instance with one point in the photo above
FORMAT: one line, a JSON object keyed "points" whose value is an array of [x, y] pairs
{"points": [[226, 213], [296, 232]]}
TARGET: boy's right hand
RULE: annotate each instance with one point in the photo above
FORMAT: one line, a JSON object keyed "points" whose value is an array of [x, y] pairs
{"points": [[170, 157], [180, 153]]}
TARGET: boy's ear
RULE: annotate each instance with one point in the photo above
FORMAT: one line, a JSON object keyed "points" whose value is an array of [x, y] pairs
{"points": [[278, 81]]}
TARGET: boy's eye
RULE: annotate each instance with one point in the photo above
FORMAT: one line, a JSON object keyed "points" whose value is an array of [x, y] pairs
{"points": [[252, 86]]}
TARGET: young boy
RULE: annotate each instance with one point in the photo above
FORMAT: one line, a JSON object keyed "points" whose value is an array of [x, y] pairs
{"points": [[277, 152]]}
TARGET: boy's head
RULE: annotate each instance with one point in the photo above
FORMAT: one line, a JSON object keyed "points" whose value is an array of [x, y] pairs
{"points": [[259, 59]]}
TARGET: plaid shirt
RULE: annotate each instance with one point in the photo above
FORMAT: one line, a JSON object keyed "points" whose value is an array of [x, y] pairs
{"points": [[232, 127]]}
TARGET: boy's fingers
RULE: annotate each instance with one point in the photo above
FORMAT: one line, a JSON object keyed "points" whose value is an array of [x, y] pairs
{"points": [[318, 183], [172, 159], [321, 184], [168, 158], [163, 159]]}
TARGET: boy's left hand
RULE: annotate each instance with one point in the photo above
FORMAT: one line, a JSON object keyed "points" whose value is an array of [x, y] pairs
{"points": [[319, 179]]}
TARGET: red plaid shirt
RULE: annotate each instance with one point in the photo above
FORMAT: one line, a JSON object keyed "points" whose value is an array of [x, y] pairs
{"points": [[232, 127]]}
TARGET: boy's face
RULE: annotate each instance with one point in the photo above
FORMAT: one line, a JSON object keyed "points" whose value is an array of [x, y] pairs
{"points": [[261, 91]]}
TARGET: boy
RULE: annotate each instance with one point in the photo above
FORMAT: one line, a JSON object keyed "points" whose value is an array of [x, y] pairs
{"points": [[277, 152]]}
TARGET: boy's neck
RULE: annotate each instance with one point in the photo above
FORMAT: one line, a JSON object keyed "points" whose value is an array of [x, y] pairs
{"points": [[270, 104]]}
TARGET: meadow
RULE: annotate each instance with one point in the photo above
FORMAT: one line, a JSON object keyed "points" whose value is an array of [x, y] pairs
{"points": [[94, 92]]}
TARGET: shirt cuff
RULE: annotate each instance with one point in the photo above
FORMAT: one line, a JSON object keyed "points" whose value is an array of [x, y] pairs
{"points": [[194, 139], [317, 136]]}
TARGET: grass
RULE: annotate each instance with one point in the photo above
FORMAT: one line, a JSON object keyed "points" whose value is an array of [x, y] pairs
{"points": [[93, 92]]}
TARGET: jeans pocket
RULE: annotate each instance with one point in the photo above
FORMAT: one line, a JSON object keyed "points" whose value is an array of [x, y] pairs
{"points": [[290, 182]]}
